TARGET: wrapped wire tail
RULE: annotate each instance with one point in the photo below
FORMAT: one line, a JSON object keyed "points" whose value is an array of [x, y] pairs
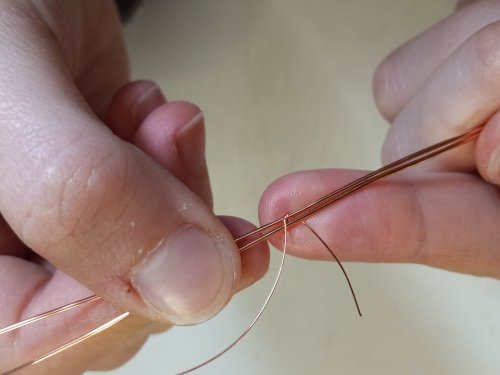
{"points": [[338, 262]]}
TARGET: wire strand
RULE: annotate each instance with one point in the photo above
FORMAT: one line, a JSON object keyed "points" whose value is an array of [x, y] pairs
{"points": [[338, 262], [49, 313], [257, 317]]}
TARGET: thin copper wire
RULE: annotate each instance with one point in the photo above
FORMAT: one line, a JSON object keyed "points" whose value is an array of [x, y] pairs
{"points": [[68, 345], [338, 262], [48, 314], [268, 230], [273, 227], [257, 317]]}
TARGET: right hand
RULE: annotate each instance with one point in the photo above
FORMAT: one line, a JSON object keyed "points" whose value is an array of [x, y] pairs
{"points": [[444, 212]]}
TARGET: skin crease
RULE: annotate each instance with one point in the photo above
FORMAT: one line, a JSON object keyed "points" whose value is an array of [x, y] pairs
{"points": [[438, 85], [96, 99]]}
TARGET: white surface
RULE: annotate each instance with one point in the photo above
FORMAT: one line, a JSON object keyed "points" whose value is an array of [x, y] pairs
{"points": [[264, 69]]}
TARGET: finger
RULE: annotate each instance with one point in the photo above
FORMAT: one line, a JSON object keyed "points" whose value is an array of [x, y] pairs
{"points": [[402, 74], [95, 206], [430, 220], [174, 135], [131, 105], [24, 281], [462, 93], [254, 261]]}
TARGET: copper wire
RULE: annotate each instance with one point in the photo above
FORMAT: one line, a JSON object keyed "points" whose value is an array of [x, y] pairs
{"points": [[338, 262], [48, 314], [262, 233], [257, 317]]}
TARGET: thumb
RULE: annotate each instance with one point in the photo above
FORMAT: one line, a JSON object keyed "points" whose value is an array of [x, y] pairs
{"points": [[95, 206]]}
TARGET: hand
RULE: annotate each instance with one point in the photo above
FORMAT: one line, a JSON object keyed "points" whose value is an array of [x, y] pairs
{"points": [[441, 213], [127, 215]]}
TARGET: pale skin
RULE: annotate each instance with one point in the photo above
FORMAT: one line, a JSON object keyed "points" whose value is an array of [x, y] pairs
{"points": [[90, 164]]}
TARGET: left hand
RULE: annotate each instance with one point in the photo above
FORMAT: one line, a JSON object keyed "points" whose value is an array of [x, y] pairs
{"points": [[441, 213], [93, 181]]}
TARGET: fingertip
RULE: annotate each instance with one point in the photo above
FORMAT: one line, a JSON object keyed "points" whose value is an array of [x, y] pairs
{"points": [[174, 135], [388, 86], [284, 195], [272, 203], [157, 133], [381, 92], [294, 191], [131, 105], [171, 133], [148, 99], [254, 261]]}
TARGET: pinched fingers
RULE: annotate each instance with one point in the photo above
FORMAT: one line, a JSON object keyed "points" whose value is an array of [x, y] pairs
{"points": [[173, 135]]}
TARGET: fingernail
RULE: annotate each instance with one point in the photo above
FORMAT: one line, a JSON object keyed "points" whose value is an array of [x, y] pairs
{"points": [[493, 169], [187, 279], [151, 99], [191, 145]]}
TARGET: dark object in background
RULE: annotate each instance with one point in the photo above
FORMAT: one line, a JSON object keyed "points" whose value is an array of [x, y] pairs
{"points": [[127, 8]]}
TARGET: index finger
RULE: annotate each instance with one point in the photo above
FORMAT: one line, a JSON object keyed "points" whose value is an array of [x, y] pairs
{"points": [[429, 219]]}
